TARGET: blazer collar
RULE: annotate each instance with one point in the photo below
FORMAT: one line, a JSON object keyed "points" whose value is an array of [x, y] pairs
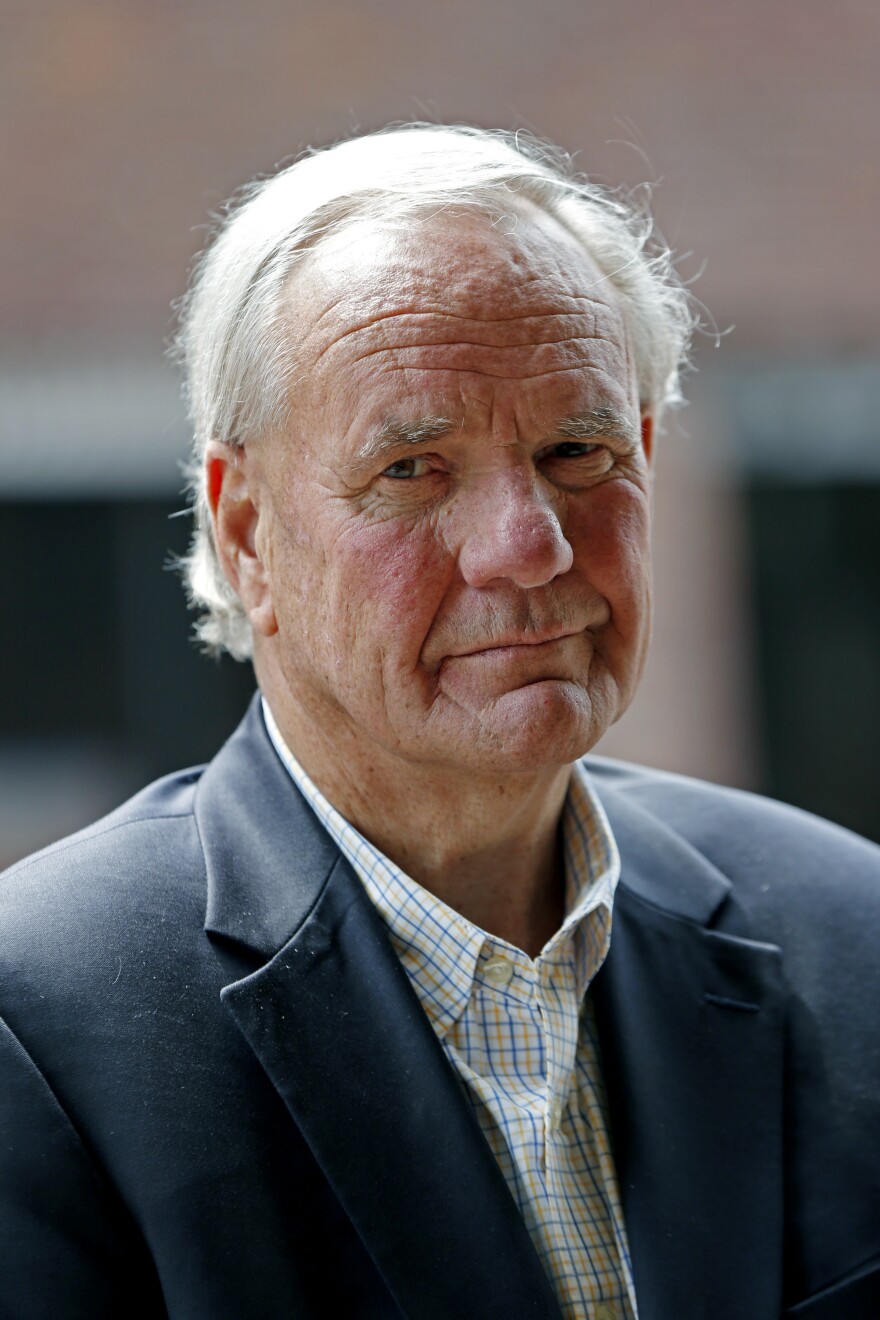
{"points": [[266, 856], [661, 867]]}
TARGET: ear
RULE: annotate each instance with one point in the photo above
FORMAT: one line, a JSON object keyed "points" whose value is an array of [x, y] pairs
{"points": [[648, 430], [233, 491]]}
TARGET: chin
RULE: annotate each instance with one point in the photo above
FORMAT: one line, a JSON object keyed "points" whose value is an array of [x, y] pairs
{"points": [[543, 725]]}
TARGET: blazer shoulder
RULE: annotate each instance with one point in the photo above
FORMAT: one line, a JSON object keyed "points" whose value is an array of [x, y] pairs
{"points": [[165, 798], [761, 845], [113, 877]]}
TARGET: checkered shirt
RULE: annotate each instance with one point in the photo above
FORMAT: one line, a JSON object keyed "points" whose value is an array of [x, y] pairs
{"points": [[521, 1035]]}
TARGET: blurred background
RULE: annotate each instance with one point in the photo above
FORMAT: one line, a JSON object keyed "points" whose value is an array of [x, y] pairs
{"points": [[125, 124]]}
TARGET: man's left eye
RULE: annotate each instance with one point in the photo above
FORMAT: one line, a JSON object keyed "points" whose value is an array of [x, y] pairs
{"points": [[574, 449], [406, 468]]}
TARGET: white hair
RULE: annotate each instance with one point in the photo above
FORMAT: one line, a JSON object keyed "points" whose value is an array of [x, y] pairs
{"points": [[239, 362]]}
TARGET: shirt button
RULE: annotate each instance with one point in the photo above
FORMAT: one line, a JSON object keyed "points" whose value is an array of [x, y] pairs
{"points": [[498, 971], [607, 1311]]}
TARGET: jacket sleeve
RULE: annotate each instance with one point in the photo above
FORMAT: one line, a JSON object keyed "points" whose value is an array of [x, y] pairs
{"points": [[67, 1249]]}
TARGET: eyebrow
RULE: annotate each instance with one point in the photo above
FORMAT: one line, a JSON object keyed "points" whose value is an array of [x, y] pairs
{"points": [[598, 422], [394, 433]]}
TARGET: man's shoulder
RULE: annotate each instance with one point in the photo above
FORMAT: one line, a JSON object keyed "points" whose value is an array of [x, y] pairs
{"points": [[167, 799], [772, 852], [131, 862]]}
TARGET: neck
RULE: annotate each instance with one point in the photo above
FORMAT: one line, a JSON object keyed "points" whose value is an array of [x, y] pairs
{"points": [[486, 844]]}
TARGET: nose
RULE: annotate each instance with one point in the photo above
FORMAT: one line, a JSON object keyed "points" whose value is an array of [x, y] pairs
{"points": [[514, 534]]}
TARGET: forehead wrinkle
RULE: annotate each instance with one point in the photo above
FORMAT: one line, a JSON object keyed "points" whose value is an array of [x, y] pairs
{"points": [[418, 316], [530, 346], [438, 309], [504, 375]]}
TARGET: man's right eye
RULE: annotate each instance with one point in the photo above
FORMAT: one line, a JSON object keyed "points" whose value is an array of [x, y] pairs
{"points": [[406, 468]]}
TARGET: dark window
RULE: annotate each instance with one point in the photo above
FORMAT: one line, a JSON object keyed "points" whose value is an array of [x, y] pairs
{"points": [[815, 552], [98, 673]]}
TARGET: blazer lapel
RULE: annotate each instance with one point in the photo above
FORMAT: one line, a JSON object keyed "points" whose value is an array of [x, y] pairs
{"points": [[690, 1024], [332, 1018]]}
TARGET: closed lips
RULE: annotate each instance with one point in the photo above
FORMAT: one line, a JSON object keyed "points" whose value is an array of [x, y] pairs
{"points": [[509, 643]]}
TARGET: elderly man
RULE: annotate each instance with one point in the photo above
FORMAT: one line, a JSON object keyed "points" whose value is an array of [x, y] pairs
{"points": [[338, 1025]]}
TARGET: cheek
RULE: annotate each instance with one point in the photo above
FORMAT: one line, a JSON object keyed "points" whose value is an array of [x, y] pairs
{"points": [[613, 533], [398, 575]]}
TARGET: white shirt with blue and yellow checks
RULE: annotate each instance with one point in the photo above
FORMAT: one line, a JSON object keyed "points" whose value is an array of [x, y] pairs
{"points": [[521, 1036]]}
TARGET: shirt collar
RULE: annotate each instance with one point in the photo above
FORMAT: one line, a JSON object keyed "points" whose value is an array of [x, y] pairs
{"points": [[438, 947]]}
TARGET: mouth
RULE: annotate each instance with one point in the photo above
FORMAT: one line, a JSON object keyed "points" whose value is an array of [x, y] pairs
{"points": [[513, 642], [516, 660]]}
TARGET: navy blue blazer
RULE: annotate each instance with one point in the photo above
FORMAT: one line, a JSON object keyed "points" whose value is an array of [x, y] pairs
{"points": [[220, 1098]]}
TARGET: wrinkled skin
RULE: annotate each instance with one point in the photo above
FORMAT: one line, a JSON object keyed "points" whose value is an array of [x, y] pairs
{"points": [[404, 585]]}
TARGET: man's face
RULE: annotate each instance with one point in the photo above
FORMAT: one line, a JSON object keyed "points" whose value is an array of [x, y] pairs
{"points": [[456, 520]]}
